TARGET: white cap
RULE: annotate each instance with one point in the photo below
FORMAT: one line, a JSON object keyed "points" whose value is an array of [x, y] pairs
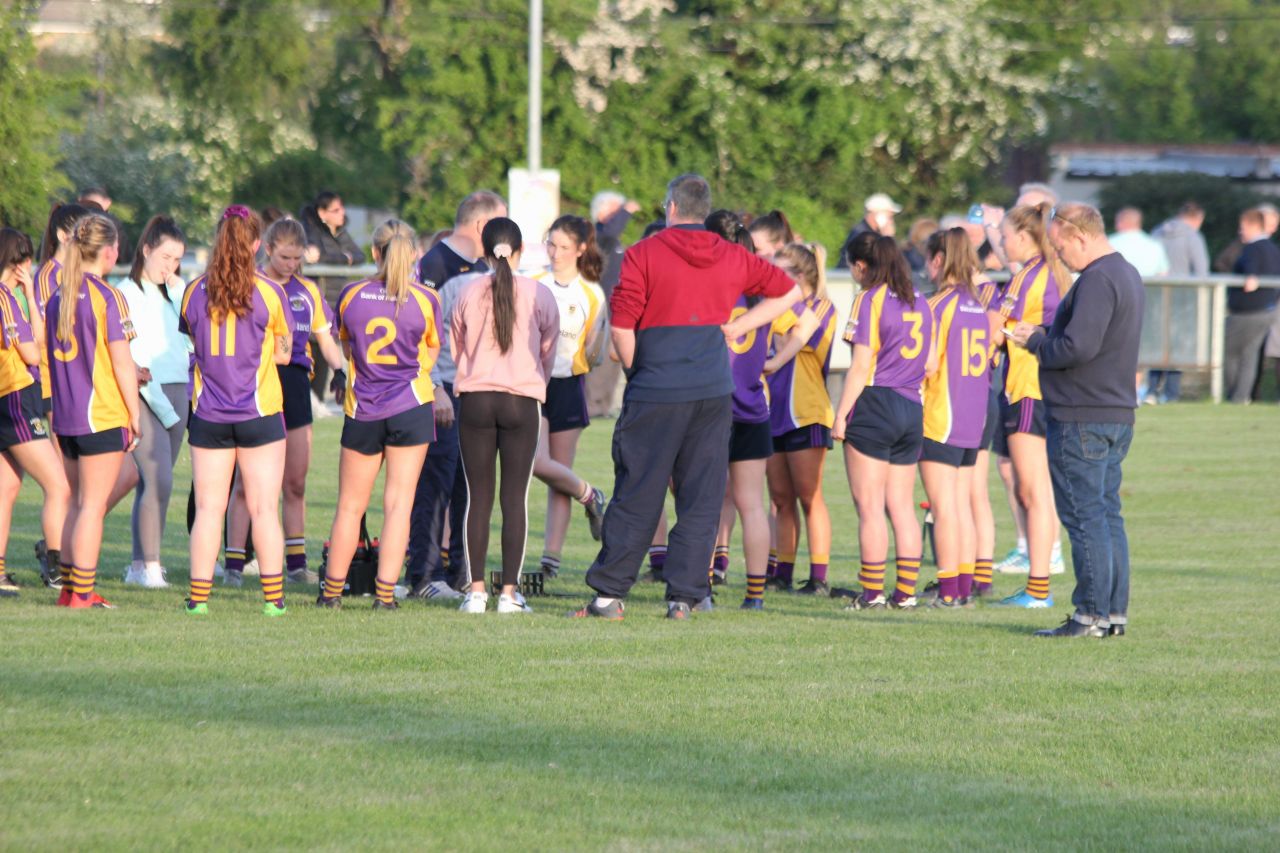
{"points": [[880, 201]]}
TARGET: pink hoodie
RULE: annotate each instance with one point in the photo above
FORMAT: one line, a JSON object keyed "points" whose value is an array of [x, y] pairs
{"points": [[525, 368]]}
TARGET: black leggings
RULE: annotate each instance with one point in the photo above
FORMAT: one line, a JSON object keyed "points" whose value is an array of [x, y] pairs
{"points": [[494, 426]]}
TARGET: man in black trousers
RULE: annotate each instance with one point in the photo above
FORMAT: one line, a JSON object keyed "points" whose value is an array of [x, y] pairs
{"points": [[669, 317]]}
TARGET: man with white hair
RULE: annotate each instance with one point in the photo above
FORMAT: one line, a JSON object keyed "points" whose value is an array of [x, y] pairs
{"points": [[1136, 246]]}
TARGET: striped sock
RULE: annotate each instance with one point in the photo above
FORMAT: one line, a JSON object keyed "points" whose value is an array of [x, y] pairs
{"points": [[233, 561], [772, 570], [948, 584], [333, 586], [64, 569], [871, 576], [908, 571], [444, 558], [818, 567], [82, 581], [295, 553], [2, 566], [966, 580], [982, 573], [552, 562], [1038, 588], [657, 557], [273, 588], [200, 591], [720, 562], [386, 592], [786, 568], [755, 588]]}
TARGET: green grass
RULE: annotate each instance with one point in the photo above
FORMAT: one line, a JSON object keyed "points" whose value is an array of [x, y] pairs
{"points": [[803, 726]]}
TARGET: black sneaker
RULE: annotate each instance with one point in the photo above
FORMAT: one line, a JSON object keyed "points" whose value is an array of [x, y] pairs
{"points": [[380, 606], [50, 571], [678, 610], [718, 577], [1072, 628], [777, 584], [930, 593], [845, 592], [8, 587], [1115, 631], [595, 513], [549, 572], [813, 587], [612, 612], [329, 603], [877, 602]]}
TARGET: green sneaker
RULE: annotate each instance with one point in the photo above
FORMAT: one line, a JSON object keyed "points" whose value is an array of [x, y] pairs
{"points": [[201, 609], [274, 608]]}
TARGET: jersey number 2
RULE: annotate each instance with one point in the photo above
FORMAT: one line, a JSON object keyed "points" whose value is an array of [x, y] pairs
{"points": [[374, 355]]}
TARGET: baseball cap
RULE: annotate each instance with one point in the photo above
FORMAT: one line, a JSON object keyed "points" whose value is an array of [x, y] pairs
{"points": [[880, 201]]}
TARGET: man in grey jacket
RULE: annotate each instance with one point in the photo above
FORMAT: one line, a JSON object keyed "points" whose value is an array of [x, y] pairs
{"points": [[1188, 256]]}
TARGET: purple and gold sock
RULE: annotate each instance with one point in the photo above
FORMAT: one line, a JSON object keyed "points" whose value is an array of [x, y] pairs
{"points": [[64, 569], [755, 588], [200, 591], [720, 562], [386, 592], [965, 588], [333, 586], [908, 572], [948, 584], [786, 568], [772, 570], [233, 559], [1038, 588], [818, 567], [982, 574], [295, 553], [82, 581], [657, 557], [871, 577], [273, 588]]}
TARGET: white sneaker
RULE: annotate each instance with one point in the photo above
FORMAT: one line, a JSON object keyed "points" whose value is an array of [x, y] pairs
{"points": [[135, 574], [250, 569], [440, 589], [218, 572], [474, 602], [401, 592], [1014, 563], [513, 604], [1057, 565], [154, 577]]}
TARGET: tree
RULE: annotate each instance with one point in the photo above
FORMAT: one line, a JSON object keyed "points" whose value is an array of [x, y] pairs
{"points": [[28, 138]]}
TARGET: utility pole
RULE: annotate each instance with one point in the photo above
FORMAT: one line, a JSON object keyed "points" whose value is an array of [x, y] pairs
{"points": [[535, 86]]}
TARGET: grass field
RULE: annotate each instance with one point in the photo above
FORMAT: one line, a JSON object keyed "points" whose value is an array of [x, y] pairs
{"points": [[803, 726]]}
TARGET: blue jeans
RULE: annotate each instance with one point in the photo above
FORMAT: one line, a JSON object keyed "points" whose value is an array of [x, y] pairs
{"points": [[1084, 461], [441, 487]]}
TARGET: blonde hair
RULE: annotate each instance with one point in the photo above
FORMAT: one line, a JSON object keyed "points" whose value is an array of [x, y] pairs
{"points": [[1034, 221], [90, 236], [285, 230], [810, 264], [397, 250], [1085, 218]]}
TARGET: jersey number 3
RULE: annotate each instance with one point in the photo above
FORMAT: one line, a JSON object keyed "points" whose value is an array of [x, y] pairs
{"points": [[916, 319], [375, 355]]}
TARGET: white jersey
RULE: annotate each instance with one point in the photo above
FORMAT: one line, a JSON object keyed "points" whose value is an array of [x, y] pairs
{"points": [[581, 305]]}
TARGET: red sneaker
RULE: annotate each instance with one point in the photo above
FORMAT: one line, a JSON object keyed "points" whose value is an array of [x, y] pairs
{"points": [[94, 600], [64, 597]]}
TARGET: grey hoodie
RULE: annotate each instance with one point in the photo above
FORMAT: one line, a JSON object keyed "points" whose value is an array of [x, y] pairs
{"points": [[1185, 246]]}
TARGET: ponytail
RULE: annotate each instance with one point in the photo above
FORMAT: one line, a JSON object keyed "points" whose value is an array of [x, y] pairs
{"points": [[1034, 221], [583, 233], [808, 262], [91, 234], [775, 226], [62, 217], [501, 239], [397, 250], [232, 268]]}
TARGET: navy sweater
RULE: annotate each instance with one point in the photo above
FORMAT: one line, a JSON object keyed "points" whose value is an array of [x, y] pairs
{"points": [[1089, 356]]}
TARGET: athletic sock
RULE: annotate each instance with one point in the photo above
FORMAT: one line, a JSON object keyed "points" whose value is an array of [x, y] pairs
{"points": [[1022, 547], [200, 591], [786, 568], [721, 560], [948, 584], [871, 577], [755, 588], [982, 573], [273, 588], [233, 560], [772, 570], [386, 592], [588, 494], [966, 580], [551, 561], [1056, 553], [908, 572], [82, 581], [1038, 588], [64, 569], [333, 586], [295, 553], [657, 557], [2, 566], [444, 558], [818, 567]]}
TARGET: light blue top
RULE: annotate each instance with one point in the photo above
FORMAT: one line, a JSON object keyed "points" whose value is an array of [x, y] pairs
{"points": [[1146, 253], [159, 346]]}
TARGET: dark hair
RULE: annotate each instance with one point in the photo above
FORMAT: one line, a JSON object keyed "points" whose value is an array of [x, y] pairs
{"points": [[477, 204], [590, 264], [62, 217], [15, 247], [775, 225], [887, 266], [92, 233], [729, 225], [1190, 208], [232, 268], [157, 230], [653, 228], [859, 247], [959, 260], [502, 232], [324, 198], [272, 214], [691, 195]]}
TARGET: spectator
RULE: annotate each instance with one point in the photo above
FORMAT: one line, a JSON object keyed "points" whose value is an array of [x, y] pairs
{"points": [[325, 221], [880, 211], [1136, 246], [611, 212], [915, 251], [1226, 259], [95, 197], [1250, 308], [1188, 256]]}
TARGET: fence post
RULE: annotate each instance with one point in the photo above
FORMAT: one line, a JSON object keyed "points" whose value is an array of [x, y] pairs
{"points": [[1217, 338]]}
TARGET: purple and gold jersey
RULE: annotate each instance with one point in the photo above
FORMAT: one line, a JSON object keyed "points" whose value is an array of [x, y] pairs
{"points": [[14, 329], [798, 390], [747, 356], [389, 367], [311, 314], [898, 334], [86, 397], [989, 293], [955, 397], [1030, 297], [46, 284], [234, 378]]}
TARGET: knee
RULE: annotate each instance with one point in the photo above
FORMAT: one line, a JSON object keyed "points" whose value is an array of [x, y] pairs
{"points": [[1028, 494], [295, 488]]}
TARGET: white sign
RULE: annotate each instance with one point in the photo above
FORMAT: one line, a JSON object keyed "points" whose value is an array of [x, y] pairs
{"points": [[534, 199]]}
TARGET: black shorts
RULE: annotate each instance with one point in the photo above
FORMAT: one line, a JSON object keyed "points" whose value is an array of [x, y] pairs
{"points": [[886, 425], [21, 417], [945, 454], [46, 407], [95, 443], [991, 430], [1026, 416], [804, 438], [566, 406], [407, 429], [295, 386], [750, 441], [254, 432]]}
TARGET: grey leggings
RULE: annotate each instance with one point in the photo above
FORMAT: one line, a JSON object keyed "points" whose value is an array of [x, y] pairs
{"points": [[155, 455]]}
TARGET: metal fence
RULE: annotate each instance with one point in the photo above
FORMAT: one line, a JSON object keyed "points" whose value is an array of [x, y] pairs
{"points": [[1184, 327]]}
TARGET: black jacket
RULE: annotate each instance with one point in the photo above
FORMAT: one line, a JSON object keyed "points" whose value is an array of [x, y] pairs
{"points": [[334, 248]]}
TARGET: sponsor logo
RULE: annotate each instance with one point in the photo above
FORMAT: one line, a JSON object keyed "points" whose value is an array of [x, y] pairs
{"points": [[127, 327]]}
